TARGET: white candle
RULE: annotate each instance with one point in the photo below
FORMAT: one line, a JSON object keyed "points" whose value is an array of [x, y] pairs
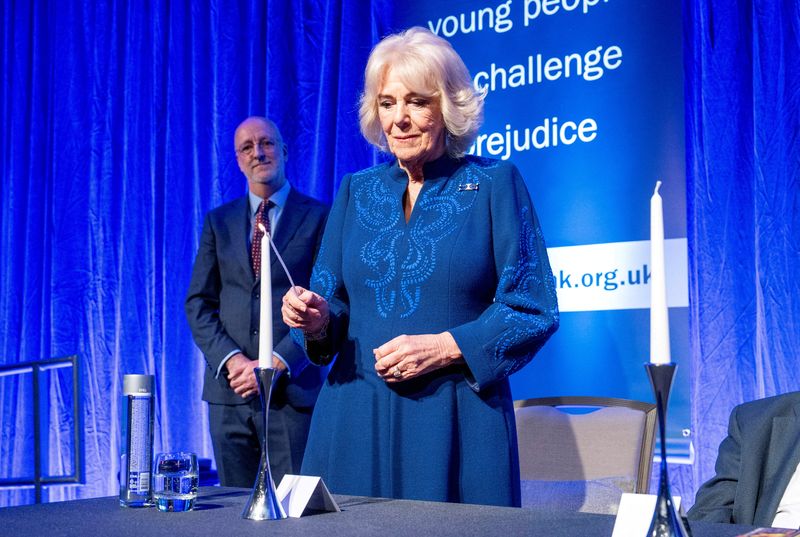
{"points": [[265, 327], [659, 319]]}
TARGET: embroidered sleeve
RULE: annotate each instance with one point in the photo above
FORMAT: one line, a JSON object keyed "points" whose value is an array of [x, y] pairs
{"points": [[524, 313]]}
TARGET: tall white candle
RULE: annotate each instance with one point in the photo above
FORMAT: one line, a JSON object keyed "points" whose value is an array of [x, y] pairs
{"points": [[659, 318], [265, 327]]}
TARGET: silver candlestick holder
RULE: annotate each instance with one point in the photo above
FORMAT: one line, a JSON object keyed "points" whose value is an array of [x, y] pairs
{"points": [[666, 521], [263, 503]]}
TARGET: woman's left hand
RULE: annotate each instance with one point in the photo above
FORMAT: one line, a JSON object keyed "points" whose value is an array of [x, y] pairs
{"points": [[407, 357]]}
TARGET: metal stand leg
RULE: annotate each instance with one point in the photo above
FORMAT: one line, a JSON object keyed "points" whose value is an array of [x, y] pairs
{"points": [[263, 503]]}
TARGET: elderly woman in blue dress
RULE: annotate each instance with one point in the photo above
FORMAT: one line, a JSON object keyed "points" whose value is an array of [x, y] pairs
{"points": [[431, 287]]}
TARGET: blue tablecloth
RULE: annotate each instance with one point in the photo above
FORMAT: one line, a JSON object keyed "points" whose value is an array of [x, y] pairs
{"points": [[218, 514]]}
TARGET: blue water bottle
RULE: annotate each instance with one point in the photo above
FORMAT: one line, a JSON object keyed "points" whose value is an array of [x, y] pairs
{"points": [[137, 441]]}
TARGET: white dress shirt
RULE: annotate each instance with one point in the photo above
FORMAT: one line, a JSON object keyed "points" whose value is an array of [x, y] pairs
{"points": [[788, 515]]}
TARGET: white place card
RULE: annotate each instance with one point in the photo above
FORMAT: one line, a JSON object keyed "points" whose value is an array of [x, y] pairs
{"points": [[301, 493], [635, 514]]}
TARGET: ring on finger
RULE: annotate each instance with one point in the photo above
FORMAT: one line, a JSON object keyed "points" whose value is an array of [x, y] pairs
{"points": [[397, 373]]}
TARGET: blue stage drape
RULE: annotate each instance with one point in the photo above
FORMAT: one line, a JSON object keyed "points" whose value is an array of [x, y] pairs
{"points": [[117, 123], [117, 137], [743, 201]]}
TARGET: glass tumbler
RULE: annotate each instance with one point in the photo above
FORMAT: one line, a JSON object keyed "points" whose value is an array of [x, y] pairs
{"points": [[175, 479]]}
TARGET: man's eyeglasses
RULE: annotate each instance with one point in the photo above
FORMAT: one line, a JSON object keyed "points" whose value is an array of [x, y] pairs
{"points": [[249, 148]]}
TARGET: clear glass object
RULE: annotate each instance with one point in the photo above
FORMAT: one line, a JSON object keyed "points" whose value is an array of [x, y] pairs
{"points": [[175, 480]]}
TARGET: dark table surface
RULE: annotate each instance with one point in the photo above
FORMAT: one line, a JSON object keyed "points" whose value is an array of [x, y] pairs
{"points": [[218, 513]]}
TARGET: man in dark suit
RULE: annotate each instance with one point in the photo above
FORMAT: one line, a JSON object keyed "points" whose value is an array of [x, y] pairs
{"points": [[757, 479], [222, 307]]}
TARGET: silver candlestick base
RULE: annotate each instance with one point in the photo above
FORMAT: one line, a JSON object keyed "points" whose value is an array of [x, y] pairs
{"points": [[666, 522], [263, 503]]}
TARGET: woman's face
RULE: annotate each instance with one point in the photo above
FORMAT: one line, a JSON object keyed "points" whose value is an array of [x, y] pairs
{"points": [[412, 122]]}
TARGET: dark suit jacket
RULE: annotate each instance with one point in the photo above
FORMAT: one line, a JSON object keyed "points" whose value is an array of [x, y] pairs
{"points": [[222, 304], [755, 463]]}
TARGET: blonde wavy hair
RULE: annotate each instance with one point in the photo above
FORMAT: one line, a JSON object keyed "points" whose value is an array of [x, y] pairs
{"points": [[428, 65]]}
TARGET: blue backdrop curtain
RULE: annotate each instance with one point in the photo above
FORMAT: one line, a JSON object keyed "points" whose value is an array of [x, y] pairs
{"points": [[117, 137], [743, 174], [117, 123]]}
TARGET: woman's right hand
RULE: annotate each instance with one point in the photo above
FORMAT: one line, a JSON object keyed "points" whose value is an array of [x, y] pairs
{"points": [[305, 310]]}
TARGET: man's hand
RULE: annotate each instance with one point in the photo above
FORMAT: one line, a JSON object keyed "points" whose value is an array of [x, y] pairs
{"points": [[241, 376], [280, 368]]}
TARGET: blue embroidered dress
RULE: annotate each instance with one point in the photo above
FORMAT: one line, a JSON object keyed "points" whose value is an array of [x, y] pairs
{"points": [[470, 260]]}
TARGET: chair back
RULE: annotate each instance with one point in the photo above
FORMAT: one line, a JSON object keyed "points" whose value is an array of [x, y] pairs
{"points": [[605, 442]]}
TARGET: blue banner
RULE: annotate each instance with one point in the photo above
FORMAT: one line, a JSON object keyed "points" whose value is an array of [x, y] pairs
{"points": [[586, 98]]}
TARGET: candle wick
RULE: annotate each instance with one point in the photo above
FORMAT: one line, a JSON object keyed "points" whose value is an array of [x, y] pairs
{"points": [[658, 185]]}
